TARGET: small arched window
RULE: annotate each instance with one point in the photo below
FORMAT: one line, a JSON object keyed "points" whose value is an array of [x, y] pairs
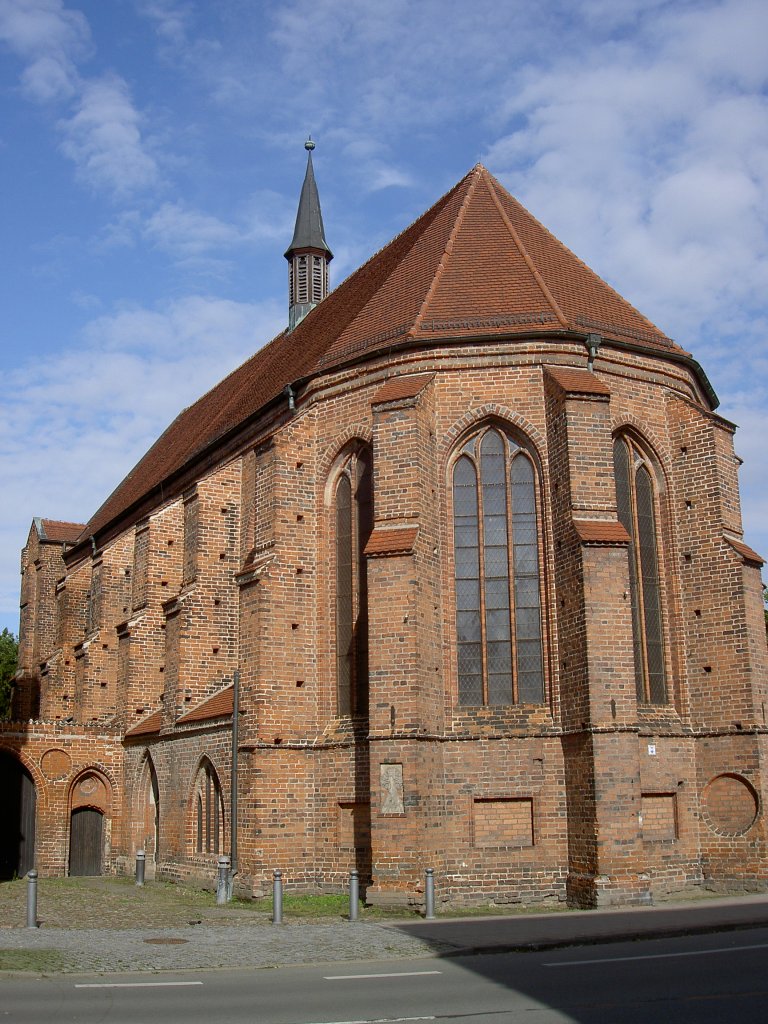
{"points": [[498, 579], [637, 511], [209, 811], [353, 508]]}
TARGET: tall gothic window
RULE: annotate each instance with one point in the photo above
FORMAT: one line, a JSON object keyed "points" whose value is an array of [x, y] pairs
{"points": [[636, 502], [498, 579], [209, 811], [353, 503]]}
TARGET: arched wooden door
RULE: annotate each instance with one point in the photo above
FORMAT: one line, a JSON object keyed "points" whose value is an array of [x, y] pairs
{"points": [[18, 801], [86, 841]]}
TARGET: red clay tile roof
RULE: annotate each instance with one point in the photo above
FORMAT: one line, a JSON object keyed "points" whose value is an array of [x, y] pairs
{"points": [[476, 264], [577, 382], [395, 540], [58, 532], [217, 706], [149, 727], [398, 388], [747, 553], [600, 531]]}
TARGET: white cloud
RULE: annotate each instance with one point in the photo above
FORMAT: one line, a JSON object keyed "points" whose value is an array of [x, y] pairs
{"points": [[170, 18], [50, 39], [104, 139], [177, 229], [653, 160], [190, 234], [103, 136], [73, 425]]}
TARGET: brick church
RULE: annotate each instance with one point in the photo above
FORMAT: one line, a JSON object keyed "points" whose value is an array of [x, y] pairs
{"points": [[449, 574]]}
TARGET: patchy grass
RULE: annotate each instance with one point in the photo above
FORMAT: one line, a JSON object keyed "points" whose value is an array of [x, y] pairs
{"points": [[116, 902], [40, 961], [325, 906]]}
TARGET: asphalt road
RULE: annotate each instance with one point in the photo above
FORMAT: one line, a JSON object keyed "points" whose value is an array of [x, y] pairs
{"points": [[719, 977]]}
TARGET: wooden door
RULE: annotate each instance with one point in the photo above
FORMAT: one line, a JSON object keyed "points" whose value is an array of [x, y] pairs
{"points": [[85, 841]]}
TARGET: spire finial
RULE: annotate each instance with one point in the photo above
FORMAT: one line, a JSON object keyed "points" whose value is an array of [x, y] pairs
{"points": [[309, 144]]}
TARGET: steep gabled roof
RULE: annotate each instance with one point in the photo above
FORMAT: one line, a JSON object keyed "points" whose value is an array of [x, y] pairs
{"points": [[57, 532], [476, 264]]}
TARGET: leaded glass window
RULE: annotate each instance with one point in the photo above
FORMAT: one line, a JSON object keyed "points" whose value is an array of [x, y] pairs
{"points": [[636, 504], [497, 573], [353, 499]]}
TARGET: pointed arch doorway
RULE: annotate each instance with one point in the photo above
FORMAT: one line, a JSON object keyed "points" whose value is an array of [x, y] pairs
{"points": [[149, 816], [18, 806], [86, 841]]}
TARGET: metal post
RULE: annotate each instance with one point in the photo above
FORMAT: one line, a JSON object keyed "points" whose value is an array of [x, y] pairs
{"points": [[32, 899], [233, 783], [354, 895], [277, 897], [429, 895], [141, 860], [222, 880]]}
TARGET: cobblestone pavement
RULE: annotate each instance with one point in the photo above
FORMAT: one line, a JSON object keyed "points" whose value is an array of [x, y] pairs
{"points": [[103, 925], [99, 950], [98, 925]]}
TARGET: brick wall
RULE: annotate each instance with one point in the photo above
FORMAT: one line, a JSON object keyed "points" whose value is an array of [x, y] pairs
{"points": [[552, 800]]}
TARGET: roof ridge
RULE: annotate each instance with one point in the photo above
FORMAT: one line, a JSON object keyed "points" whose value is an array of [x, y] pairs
{"points": [[525, 254], [653, 330], [475, 175]]}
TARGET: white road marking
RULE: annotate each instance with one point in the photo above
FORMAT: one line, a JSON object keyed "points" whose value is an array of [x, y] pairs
{"points": [[375, 1020], [139, 984], [400, 974], [656, 956]]}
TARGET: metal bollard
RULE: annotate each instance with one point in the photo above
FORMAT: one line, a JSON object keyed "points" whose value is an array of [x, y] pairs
{"points": [[32, 899], [354, 895], [141, 860], [222, 881], [429, 895], [277, 897]]}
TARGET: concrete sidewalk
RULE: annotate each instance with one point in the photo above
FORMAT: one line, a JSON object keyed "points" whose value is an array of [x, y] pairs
{"points": [[584, 927], [206, 946]]}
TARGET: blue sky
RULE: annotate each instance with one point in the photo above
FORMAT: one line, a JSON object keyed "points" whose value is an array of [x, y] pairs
{"points": [[151, 159]]}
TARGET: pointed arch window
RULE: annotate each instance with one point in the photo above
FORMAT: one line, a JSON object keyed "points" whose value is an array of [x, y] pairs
{"points": [[209, 811], [497, 573], [637, 511], [353, 507]]}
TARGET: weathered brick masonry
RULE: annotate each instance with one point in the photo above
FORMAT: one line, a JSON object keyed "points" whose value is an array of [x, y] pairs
{"points": [[468, 542]]}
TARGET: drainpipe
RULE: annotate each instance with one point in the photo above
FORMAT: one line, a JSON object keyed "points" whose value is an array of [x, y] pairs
{"points": [[233, 784], [288, 390], [593, 342]]}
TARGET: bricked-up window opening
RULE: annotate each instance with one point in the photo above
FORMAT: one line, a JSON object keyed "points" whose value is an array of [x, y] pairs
{"points": [[209, 811], [498, 579], [191, 529], [93, 606], [636, 503], [354, 522], [140, 568]]}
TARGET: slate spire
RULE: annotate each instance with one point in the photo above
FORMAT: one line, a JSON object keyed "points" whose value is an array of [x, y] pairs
{"points": [[308, 254]]}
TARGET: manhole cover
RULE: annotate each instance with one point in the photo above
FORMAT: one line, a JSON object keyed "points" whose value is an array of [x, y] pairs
{"points": [[166, 942]]}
